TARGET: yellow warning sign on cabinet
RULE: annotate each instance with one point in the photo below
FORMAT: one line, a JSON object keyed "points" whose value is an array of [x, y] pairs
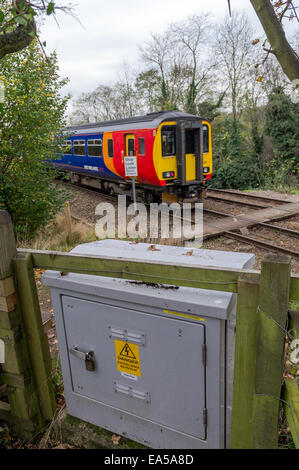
{"points": [[127, 357]]}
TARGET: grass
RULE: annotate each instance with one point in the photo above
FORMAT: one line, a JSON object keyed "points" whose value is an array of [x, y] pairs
{"points": [[55, 236], [282, 189]]}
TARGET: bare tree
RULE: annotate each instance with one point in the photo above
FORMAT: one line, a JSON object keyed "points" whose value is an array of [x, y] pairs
{"points": [[234, 50], [157, 52], [191, 38], [125, 93], [178, 56], [108, 102], [94, 106]]}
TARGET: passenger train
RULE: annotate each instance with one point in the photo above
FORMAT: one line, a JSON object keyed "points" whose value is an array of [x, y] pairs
{"points": [[173, 150]]}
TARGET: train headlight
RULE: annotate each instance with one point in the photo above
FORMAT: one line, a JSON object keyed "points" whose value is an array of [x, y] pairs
{"points": [[206, 169], [168, 174]]}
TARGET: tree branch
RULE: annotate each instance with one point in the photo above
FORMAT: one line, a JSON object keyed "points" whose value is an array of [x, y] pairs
{"points": [[16, 40], [283, 51]]}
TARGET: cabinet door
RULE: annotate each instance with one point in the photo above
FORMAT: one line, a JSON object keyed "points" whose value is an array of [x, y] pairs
{"points": [[148, 365]]}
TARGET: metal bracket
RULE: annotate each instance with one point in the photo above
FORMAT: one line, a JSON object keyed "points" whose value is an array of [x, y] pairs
{"points": [[87, 357]]}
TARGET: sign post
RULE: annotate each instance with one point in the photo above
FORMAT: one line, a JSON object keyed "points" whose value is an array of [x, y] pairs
{"points": [[131, 171]]}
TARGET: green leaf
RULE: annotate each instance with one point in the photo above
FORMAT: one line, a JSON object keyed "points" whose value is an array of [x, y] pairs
{"points": [[29, 16], [50, 8], [22, 6], [21, 20], [32, 34], [1, 16]]}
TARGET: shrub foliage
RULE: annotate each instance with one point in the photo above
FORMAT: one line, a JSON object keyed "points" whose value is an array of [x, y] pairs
{"points": [[31, 117]]}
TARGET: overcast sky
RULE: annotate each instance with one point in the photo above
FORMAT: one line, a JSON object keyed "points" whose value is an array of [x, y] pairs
{"points": [[113, 31]]}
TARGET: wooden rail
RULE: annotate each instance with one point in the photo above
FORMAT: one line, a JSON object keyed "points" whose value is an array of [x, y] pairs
{"points": [[261, 318], [212, 278]]}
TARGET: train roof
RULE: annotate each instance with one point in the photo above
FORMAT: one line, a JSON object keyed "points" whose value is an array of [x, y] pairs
{"points": [[148, 121]]}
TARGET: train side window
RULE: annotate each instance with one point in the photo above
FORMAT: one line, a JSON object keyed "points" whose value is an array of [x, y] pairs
{"points": [[67, 147], [131, 147], [141, 146], [79, 148], [206, 139], [168, 141], [95, 148], [110, 148]]}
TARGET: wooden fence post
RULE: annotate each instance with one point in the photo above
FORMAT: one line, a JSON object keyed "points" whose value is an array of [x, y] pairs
{"points": [[272, 318], [245, 357], [16, 373], [36, 338], [68, 221]]}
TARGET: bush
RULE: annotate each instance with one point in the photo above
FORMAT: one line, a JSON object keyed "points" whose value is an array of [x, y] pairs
{"points": [[29, 194], [233, 167], [235, 173], [282, 119], [30, 117]]}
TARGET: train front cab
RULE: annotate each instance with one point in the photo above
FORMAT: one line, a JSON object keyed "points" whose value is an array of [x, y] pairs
{"points": [[183, 157]]}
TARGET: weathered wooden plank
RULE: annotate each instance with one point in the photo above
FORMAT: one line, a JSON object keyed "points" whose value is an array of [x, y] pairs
{"points": [[25, 427], [291, 407], [14, 380], [272, 318], [214, 229], [37, 344], [7, 245], [294, 321], [7, 304], [291, 387], [294, 287], [4, 406], [7, 287], [23, 402], [148, 271], [10, 320], [16, 352], [210, 278], [245, 358]]}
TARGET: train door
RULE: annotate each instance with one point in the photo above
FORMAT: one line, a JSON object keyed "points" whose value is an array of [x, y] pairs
{"points": [[189, 152], [190, 158], [130, 145]]}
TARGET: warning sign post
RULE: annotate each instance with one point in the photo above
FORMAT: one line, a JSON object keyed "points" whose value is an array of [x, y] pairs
{"points": [[131, 171]]}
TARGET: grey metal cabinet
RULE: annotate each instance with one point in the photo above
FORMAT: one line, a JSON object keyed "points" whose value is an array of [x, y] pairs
{"points": [[153, 363]]}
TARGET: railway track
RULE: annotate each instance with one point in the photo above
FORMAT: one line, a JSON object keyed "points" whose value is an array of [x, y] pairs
{"points": [[227, 193], [258, 241], [235, 197], [90, 190]]}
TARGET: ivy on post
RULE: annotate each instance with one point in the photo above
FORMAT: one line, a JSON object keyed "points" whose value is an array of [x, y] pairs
{"points": [[272, 320], [15, 372]]}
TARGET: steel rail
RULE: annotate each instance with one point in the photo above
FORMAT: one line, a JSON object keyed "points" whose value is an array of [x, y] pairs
{"points": [[252, 196], [260, 243], [241, 203], [264, 224]]}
